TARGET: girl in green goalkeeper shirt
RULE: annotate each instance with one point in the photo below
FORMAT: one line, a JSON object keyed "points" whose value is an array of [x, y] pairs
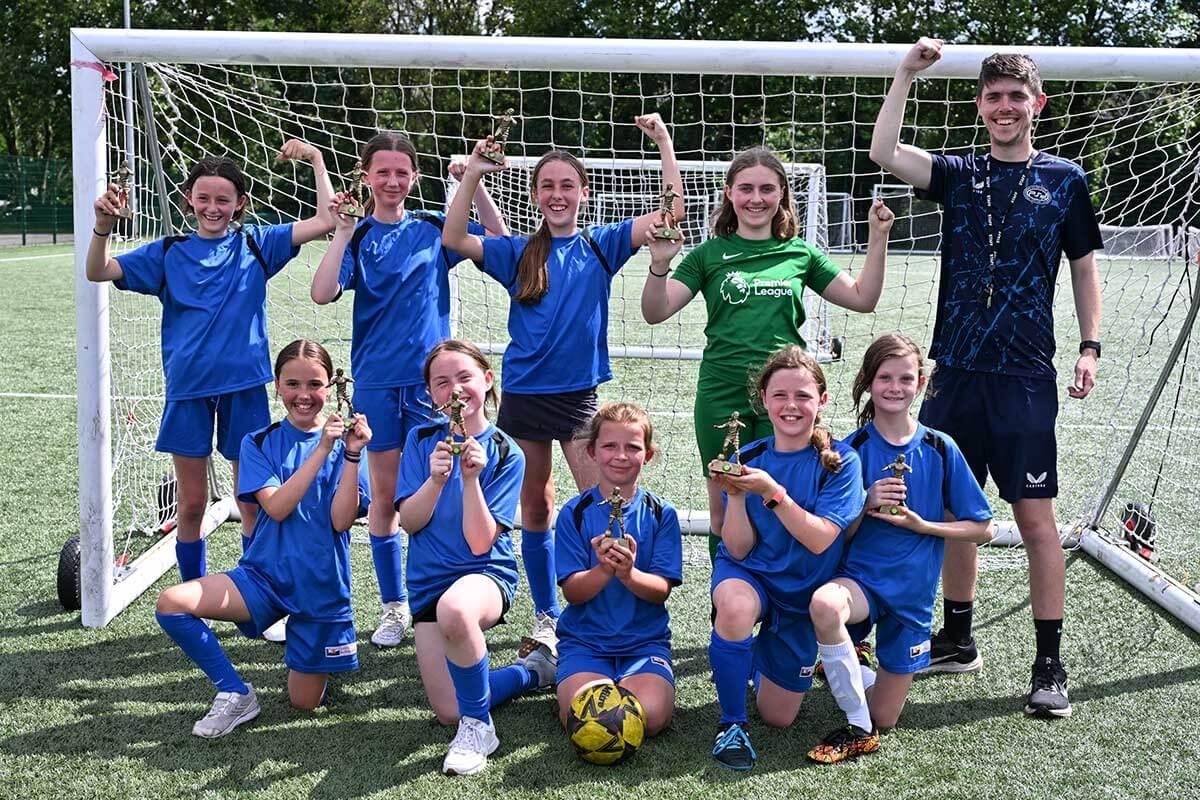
{"points": [[752, 274]]}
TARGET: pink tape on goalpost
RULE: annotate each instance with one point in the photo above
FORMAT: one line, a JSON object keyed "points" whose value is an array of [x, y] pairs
{"points": [[104, 71]]}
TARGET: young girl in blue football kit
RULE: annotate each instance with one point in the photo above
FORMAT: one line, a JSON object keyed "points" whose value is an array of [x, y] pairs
{"points": [[394, 262], [559, 280], [781, 539], [890, 573], [302, 475], [462, 572], [212, 284], [615, 628]]}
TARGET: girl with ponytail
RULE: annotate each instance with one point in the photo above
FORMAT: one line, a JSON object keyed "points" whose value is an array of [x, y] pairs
{"points": [[782, 538], [559, 281]]}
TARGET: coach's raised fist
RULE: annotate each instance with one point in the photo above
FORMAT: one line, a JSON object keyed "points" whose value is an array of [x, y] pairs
{"points": [[924, 53]]}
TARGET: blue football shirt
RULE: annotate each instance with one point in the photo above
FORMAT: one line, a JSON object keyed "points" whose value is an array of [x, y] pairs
{"points": [[438, 554], [560, 343], [214, 305], [399, 273], [302, 557], [789, 571], [1052, 215], [616, 622], [901, 566]]}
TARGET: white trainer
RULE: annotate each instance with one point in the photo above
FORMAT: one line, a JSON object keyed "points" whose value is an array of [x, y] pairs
{"points": [[543, 663], [229, 710], [545, 633], [393, 624], [277, 632], [474, 742]]}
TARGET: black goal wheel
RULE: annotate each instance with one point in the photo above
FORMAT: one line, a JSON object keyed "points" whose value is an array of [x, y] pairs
{"points": [[68, 574], [836, 346]]}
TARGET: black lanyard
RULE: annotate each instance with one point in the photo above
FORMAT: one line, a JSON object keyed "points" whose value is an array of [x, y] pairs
{"points": [[995, 232]]}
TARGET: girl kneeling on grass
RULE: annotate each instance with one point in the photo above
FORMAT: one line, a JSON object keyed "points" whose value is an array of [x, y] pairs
{"points": [[890, 574], [782, 538], [615, 628], [462, 572], [302, 474]]}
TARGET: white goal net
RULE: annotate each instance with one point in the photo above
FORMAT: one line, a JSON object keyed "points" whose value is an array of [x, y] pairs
{"points": [[1132, 126]]}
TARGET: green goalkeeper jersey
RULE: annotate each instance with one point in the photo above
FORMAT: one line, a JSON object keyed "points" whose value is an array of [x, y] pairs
{"points": [[754, 294]]}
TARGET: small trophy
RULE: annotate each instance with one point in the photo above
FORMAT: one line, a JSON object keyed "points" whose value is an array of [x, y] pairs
{"points": [[123, 180], [353, 206], [897, 468], [453, 409], [616, 518], [733, 435], [666, 212], [495, 153], [342, 383]]}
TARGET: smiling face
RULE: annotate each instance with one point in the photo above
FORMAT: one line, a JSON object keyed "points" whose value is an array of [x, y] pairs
{"points": [[215, 202], [390, 176], [755, 194], [558, 191], [620, 452], [452, 370], [1008, 107], [793, 399], [303, 388], [895, 385]]}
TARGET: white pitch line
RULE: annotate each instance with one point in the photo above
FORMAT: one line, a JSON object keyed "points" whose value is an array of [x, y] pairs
{"points": [[33, 396], [35, 258]]}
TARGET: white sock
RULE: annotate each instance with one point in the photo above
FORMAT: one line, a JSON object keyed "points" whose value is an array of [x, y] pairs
{"points": [[845, 678], [868, 677]]}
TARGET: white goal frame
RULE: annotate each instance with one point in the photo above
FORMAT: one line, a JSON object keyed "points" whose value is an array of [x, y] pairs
{"points": [[102, 595]]}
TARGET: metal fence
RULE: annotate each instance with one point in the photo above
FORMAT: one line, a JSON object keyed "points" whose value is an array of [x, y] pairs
{"points": [[35, 199]]}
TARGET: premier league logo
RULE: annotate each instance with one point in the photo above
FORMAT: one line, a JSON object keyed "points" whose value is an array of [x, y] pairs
{"points": [[735, 288]]}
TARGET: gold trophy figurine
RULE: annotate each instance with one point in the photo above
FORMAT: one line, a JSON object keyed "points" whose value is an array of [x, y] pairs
{"points": [[453, 408], [733, 435], [495, 153], [354, 206], [666, 212], [616, 518], [897, 468], [123, 180], [342, 383]]}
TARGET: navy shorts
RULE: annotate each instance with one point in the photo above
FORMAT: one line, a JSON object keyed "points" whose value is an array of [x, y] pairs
{"points": [[547, 417], [392, 413], [313, 647], [1004, 425], [187, 425]]}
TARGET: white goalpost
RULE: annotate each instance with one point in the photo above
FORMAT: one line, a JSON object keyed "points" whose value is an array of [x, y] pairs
{"points": [[1129, 116]]}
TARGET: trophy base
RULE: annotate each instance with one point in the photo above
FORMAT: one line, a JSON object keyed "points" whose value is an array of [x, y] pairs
{"points": [[667, 234], [731, 468], [125, 212], [352, 211], [456, 449], [494, 156]]}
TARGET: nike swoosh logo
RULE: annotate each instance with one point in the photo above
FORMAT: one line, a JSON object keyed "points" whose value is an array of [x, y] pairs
{"points": [[727, 256]]}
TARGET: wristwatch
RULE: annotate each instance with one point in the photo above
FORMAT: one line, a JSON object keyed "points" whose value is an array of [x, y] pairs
{"points": [[1089, 344], [776, 498]]}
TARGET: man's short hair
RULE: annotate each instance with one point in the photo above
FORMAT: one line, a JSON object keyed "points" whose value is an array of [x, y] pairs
{"points": [[1009, 65]]}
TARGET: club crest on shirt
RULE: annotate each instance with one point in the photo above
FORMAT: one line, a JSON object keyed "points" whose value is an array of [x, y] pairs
{"points": [[334, 651], [1036, 194], [916, 651]]}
